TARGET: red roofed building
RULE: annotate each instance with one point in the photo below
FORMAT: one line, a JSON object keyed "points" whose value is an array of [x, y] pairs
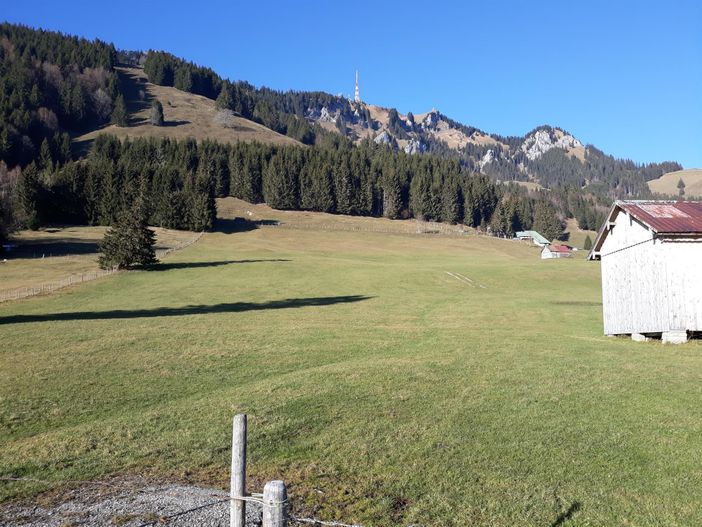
{"points": [[651, 258], [556, 251]]}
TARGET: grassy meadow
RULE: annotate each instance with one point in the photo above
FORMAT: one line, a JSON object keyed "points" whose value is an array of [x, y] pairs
{"points": [[668, 183], [381, 388]]}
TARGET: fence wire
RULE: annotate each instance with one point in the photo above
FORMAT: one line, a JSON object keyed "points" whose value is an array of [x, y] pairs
{"points": [[314, 521], [417, 228], [50, 287]]}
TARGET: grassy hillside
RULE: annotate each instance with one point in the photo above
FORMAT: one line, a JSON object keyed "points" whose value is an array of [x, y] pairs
{"points": [[186, 115], [385, 390], [576, 235], [668, 183]]}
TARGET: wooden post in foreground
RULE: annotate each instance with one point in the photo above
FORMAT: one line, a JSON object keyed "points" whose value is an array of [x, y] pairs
{"points": [[275, 504], [237, 507]]}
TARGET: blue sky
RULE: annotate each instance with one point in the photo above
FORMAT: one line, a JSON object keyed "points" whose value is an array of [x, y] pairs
{"points": [[624, 76]]}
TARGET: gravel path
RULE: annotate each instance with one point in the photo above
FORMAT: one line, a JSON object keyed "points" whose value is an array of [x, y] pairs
{"points": [[128, 503]]}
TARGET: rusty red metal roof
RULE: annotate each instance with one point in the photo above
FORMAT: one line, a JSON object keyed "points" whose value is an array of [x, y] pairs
{"points": [[667, 217], [559, 248]]}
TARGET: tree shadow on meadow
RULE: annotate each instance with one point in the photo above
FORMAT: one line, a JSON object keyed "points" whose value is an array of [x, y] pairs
{"points": [[231, 225], [198, 265], [47, 247], [567, 515], [233, 307]]}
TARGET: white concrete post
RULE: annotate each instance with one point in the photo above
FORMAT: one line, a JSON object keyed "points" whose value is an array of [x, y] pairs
{"points": [[237, 507], [275, 504]]}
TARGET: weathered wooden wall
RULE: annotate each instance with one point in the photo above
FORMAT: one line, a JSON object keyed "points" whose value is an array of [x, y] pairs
{"points": [[649, 285]]}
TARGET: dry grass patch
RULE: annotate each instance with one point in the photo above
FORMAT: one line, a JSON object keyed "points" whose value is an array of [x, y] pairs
{"points": [[261, 215], [577, 236], [668, 183], [186, 115]]}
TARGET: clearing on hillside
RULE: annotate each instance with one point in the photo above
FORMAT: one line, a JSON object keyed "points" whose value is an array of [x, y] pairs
{"points": [[576, 235], [186, 115], [382, 383], [668, 183]]}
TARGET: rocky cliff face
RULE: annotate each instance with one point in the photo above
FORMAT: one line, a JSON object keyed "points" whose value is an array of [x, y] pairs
{"points": [[541, 141], [502, 158], [488, 158], [414, 146]]}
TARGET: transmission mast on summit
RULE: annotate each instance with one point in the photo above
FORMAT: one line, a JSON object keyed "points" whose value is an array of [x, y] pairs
{"points": [[357, 94]]}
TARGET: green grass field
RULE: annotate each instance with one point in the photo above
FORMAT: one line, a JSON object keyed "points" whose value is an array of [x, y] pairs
{"points": [[382, 389]]}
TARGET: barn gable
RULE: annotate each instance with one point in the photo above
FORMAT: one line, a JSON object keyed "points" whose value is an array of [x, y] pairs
{"points": [[648, 221]]}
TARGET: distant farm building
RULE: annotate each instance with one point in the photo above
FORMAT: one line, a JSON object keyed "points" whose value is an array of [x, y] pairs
{"points": [[532, 236], [556, 251], [651, 258]]}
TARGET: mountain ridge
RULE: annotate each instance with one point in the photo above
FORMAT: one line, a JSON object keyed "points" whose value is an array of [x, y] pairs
{"points": [[557, 157]]}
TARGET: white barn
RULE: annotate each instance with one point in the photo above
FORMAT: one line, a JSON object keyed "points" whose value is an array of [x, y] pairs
{"points": [[556, 251], [651, 260]]}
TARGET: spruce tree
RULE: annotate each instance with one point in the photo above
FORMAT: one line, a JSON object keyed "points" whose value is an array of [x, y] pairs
{"points": [[225, 100], [29, 193], [588, 243], [451, 201], [3, 226], [46, 159], [65, 148], [129, 242], [546, 221], [119, 114], [392, 196], [681, 188], [421, 199], [156, 116], [498, 221]]}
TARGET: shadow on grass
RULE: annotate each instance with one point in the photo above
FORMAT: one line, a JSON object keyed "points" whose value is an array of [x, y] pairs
{"points": [[175, 123], [198, 265], [233, 307], [567, 515], [575, 303], [229, 226], [39, 247]]}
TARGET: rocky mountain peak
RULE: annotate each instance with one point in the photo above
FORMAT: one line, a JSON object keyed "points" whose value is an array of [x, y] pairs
{"points": [[430, 120], [541, 141]]}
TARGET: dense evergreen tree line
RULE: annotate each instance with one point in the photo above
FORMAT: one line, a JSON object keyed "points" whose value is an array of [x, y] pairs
{"points": [[50, 84], [623, 177], [165, 69], [178, 183], [588, 209], [599, 173], [363, 180]]}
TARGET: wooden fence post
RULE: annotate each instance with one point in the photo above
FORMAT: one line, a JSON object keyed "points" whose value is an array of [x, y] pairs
{"points": [[237, 507], [275, 504]]}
